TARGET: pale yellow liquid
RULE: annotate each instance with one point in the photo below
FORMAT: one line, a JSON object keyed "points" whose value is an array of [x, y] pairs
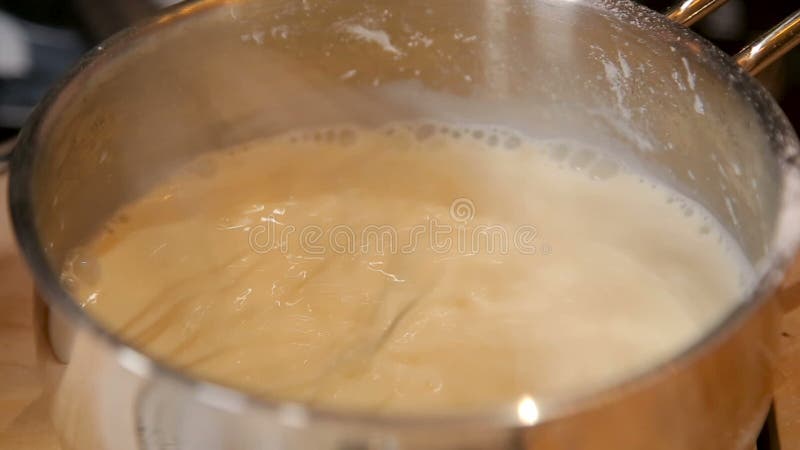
{"points": [[620, 273]]}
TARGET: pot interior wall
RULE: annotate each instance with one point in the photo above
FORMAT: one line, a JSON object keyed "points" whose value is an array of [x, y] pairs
{"points": [[235, 71]]}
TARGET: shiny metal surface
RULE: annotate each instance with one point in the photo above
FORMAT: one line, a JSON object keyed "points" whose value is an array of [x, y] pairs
{"points": [[688, 12], [771, 46], [757, 55], [209, 74]]}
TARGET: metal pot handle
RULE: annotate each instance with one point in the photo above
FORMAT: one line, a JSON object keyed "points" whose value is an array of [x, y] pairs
{"points": [[754, 58], [758, 54]]}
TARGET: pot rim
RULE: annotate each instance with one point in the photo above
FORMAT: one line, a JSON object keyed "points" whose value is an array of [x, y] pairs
{"points": [[782, 247]]}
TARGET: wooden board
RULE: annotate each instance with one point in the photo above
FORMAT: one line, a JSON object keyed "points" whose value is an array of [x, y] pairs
{"points": [[28, 371]]}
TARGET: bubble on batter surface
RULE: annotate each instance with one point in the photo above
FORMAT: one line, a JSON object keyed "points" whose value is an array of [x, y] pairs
{"points": [[559, 152], [330, 135], [512, 142], [203, 167], [347, 137], [582, 159], [425, 131], [604, 169]]}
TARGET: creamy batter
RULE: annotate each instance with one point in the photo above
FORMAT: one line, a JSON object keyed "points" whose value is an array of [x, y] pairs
{"points": [[413, 268]]}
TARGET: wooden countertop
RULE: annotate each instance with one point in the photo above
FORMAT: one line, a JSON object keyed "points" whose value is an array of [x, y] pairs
{"points": [[28, 370]]}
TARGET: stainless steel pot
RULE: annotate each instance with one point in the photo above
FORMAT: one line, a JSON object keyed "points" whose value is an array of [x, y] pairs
{"points": [[209, 74]]}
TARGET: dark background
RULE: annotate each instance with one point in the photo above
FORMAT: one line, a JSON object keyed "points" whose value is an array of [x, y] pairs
{"points": [[61, 30]]}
